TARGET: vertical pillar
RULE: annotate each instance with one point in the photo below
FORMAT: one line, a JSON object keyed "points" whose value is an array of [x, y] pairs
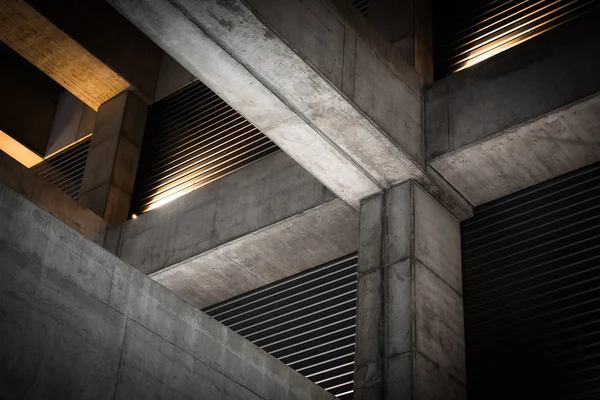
{"points": [[407, 24], [410, 329], [113, 157]]}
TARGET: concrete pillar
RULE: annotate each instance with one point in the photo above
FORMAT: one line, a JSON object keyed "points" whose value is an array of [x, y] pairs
{"points": [[407, 24], [112, 161], [410, 330], [73, 120]]}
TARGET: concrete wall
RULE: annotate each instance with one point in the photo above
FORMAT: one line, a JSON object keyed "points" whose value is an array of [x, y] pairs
{"points": [[252, 198], [525, 82], [79, 323], [339, 42], [50, 199], [28, 99], [72, 121], [171, 77]]}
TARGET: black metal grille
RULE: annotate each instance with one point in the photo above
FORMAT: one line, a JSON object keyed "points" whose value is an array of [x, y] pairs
{"points": [[307, 321], [362, 6], [65, 169], [470, 31], [531, 265], [192, 138]]}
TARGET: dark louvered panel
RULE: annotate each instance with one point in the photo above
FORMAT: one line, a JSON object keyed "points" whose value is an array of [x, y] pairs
{"points": [[362, 6], [192, 138], [307, 321], [531, 264], [470, 31], [65, 169]]}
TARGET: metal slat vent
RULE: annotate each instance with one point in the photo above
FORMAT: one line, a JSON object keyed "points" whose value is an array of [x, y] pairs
{"points": [[531, 265], [192, 138], [65, 169], [362, 6], [470, 31], [307, 321]]}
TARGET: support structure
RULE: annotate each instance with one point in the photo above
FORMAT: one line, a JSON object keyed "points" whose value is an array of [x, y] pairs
{"points": [[113, 158], [410, 333]]}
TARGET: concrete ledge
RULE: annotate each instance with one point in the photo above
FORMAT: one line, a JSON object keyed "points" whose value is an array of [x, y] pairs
{"points": [[51, 199], [311, 238], [522, 156], [63, 299]]}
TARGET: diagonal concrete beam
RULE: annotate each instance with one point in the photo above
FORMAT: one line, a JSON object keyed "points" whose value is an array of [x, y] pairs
{"points": [[44, 45], [258, 73]]}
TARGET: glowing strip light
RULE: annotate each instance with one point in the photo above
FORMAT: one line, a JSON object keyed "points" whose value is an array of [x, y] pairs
{"points": [[513, 29], [17, 151]]}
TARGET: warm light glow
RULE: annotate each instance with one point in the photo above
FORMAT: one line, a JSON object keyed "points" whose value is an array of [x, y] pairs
{"points": [[68, 146], [17, 151], [133, 216]]}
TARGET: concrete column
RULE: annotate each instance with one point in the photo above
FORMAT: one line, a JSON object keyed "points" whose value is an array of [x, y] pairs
{"points": [[113, 158], [407, 24], [410, 330]]}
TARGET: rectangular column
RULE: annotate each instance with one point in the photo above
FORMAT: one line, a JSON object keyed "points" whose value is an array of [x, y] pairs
{"points": [[112, 161], [410, 329]]}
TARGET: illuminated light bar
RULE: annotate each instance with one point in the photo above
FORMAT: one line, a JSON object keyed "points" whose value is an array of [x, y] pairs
{"points": [[192, 138], [17, 151], [497, 26]]}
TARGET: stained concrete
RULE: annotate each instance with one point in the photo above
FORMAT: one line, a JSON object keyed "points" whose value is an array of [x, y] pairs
{"points": [[77, 322], [410, 333], [51, 199], [63, 59], [264, 193], [524, 116], [276, 86]]}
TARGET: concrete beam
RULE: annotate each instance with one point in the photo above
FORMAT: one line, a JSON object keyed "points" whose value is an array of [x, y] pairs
{"points": [[304, 113], [288, 247], [522, 117], [63, 59]]}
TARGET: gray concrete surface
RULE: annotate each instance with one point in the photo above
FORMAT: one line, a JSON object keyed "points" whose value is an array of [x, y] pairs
{"points": [[50, 199], [303, 241], [79, 323], [410, 333], [522, 117], [73, 120], [293, 98], [255, 197], [112, 161], [171, 77]]}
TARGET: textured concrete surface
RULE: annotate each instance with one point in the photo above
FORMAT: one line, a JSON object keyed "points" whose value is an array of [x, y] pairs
{"points": [[410, 332], [51, 199], [288, 247], [77, 322], [28, 100], [297, 106], [171, 77], [107, 35], [112, 160], [522, 117], [266, 192], [63, 59], [72, 121]]}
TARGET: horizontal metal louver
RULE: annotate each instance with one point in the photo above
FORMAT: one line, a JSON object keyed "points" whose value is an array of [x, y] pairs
{"points": [[65, 169], [307, 321], [192, 138], [362, 6], [470, 31], [531, 265]]}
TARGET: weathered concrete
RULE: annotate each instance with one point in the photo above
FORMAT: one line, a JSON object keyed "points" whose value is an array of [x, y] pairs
{"points": [[274, 195], [407, 24], [302, 109], [77, 322], [522, 117], [73, 120], [51, 199], [63, 59], [410, 333], [171, 77], [111, 38], [112, 160], [28, 99], [288, 247]]}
